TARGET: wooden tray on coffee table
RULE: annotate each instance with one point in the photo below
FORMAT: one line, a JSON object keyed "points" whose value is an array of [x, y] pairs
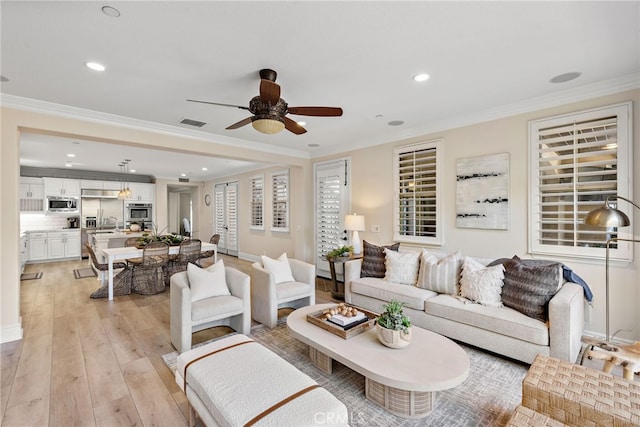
{"points": [[318, 319]]}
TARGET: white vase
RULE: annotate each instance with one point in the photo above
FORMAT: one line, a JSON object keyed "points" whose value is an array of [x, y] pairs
{"points": [[393, 339]]}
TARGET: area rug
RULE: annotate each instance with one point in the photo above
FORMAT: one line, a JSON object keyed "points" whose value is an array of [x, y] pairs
{"points": [[31, 276], [486, 398], [81, 273]]}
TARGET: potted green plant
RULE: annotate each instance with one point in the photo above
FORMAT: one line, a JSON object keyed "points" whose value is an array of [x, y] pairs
{"points": [[393, 327], [341, 251]]}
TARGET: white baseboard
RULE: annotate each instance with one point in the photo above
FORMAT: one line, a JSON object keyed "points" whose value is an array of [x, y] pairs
{"points": [[249, 257], [11, 333], [599, 336]]}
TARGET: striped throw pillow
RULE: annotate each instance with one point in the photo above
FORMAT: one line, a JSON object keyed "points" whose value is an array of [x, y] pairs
{"points": [[440, 275]]}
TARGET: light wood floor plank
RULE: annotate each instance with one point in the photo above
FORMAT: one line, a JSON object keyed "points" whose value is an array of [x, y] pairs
{"points": [[32, 413], [118, 412]]}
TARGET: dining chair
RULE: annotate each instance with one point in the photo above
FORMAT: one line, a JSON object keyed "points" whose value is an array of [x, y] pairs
{"points": [[189, 252], [121, 282], [148, 276], [208, 254]]}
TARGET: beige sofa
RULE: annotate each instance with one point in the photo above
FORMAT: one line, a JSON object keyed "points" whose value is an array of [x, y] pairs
{"points": [[500, 330]]}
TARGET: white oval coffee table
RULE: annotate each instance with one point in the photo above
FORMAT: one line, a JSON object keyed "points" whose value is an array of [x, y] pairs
{"points": [[403, 381]]}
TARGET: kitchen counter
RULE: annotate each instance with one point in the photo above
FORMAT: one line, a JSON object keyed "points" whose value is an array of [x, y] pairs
{"points": [[102, 239]]}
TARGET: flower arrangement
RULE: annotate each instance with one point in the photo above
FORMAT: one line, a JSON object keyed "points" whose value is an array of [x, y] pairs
{"points": [[341, 251], [155, 236], [393, 317]]}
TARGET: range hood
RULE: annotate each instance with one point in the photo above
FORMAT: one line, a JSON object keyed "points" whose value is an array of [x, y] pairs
{"points": [[100, 194]]}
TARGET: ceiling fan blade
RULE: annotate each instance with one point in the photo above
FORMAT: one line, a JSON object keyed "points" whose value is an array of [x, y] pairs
{"points": [[217, 103], [316, 111], [294, 127], [240, 123], [269, 92]]}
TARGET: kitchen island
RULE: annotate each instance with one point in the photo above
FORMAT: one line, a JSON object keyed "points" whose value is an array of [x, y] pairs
{"points": [[103, 239]]}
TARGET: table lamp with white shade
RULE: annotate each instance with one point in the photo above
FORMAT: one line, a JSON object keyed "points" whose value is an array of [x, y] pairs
{"points": [[355, 223]]}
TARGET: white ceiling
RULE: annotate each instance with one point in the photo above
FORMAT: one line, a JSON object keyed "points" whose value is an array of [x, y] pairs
{"points": [[483, 58]]}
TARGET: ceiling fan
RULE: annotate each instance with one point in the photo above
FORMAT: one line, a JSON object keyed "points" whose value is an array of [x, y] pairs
{"points": [[270, 111]]}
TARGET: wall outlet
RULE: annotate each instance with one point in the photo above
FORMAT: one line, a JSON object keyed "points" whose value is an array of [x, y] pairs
{"points": [[375, 228]]}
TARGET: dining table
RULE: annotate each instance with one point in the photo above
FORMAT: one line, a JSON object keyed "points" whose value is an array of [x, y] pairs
{"points": [[115, 254]]}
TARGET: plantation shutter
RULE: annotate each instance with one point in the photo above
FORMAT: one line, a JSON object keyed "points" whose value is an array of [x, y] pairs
{"points": [[232, 217], [257, 202], [576, 165], [417, 204], [280, 201], [328, 228], [219, 209]]}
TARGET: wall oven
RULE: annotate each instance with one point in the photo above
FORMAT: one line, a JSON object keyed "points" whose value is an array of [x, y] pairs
{"points": [[138, 212], [68, 205]]}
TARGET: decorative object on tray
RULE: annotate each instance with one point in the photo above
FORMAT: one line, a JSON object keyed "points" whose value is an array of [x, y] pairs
{"points": [[393, 327], [155, 236], [341, 251], [354, 321], [134, 226]]}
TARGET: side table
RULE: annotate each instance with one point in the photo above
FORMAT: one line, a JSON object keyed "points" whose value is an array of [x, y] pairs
{"points": [[335, 292]]}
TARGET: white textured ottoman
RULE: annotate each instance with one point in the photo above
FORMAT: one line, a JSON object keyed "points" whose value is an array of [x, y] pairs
{"points": [[236, 381]]}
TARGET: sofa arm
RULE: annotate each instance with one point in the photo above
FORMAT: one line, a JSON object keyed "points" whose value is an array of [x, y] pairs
{"points": [[352, 270], [303, 272], [238, 283], [180, 301], [566, 322]]}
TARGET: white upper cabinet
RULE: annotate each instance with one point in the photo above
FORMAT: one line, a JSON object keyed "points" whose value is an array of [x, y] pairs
{"points": [[31, 195], [141, 192], [61, 187]]}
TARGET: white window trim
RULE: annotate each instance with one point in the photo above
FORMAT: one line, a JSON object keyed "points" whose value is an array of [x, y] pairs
{"points": [[288, 209], [438, 240], [624, 112], [251, 190]]}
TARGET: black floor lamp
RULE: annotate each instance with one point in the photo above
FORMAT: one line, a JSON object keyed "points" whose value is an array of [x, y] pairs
{"points": [[606, 216]]}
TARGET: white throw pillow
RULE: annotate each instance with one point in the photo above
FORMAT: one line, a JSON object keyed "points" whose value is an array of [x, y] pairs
{"points": [[280, 268], [440, 275], [482, 284], [207, 283], [402, 267]]}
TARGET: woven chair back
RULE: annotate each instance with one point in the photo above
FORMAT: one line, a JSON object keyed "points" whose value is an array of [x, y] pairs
{"points": [[155, 253], [215, 239], [131, 241], [190, 250]]}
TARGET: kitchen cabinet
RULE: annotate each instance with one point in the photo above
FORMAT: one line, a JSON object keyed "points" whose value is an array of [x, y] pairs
{"points": [[63, 244], [100, 185], [31, 195], [112, 185], [24, 255], [61, 187], [37, 243], [141, 192]]}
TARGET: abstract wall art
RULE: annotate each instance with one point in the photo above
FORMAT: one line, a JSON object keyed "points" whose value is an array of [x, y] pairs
{"points": [[482, 192]]}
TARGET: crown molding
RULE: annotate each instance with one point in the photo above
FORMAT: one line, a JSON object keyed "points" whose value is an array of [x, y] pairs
{"points": [[564, 97], [45, 107]]}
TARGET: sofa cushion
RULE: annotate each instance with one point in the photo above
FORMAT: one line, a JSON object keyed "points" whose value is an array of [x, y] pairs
{"points": [[401, 267], [373, 259], [440, 275], [291, 290], [219, 307], [504, 320], [482, 284], [412, 296], [529, 285]]}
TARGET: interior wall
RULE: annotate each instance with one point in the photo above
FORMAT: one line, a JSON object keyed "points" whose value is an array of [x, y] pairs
{"points": [[373, 192]]}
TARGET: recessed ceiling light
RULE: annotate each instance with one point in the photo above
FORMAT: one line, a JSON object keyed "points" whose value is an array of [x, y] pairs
{"points": [[205, 169], [68, 165], [301, 123], [566, 77], [395, 123], [132, 170], [71, 155], [110, 11], [95, 66], [313, 145], [183, 174], [421, 77]]}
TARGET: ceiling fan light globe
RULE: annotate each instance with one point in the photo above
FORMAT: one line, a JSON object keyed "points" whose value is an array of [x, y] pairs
{"points": [[268, 126]]}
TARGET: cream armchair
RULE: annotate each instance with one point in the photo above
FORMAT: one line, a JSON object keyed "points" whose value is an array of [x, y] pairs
{"points": [[188, 317], [267, 296]]}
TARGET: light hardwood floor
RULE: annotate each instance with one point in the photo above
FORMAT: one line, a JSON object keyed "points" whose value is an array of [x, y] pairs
{"points": [[92, 362]]}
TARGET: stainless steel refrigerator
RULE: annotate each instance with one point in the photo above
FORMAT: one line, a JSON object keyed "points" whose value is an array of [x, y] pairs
{"points": [[100, 210]]}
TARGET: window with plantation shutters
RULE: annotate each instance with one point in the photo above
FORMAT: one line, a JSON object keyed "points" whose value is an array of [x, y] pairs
{"points": [[329, 212], [417, 210], [280, 201], [577, 161], [257, 202]]}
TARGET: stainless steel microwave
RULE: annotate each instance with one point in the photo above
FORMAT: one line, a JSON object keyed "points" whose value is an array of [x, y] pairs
{"points": [[137, 212], [63, 204]]}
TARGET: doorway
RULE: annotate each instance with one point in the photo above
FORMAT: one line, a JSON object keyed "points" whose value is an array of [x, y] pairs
{"points": [[225, 219], [180, 207], [332, 200]]}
